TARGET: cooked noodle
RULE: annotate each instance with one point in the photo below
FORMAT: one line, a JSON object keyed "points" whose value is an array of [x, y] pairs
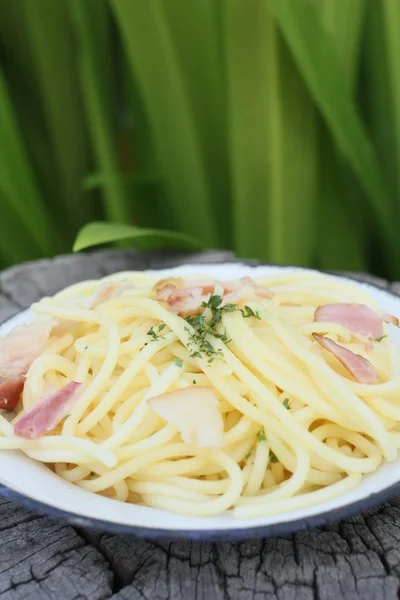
{"points": [[298, 429]]}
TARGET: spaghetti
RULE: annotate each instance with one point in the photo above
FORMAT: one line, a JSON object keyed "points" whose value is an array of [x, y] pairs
{"points": [[201, 396]]}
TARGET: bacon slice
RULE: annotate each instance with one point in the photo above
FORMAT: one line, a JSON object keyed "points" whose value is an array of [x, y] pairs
{"points": [[46, 414], [358, 366], [390, 319], [186, 297], [257, 289], [18, 350], [22, 346], [10, 391], [356, 317], [194, 412]]}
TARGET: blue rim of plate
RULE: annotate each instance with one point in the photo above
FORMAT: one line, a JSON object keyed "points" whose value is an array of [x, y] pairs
{"points": [[212, 535], [196, 535]]}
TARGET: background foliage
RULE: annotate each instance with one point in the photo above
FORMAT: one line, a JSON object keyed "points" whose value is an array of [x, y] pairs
{"points": [[268, 126]]}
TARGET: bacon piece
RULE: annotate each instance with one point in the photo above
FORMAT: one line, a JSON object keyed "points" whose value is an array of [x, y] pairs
{"points": [[22, 346], [390, 319], [194, 412], [165, 292], [10, 391], [356, 317], [369, 346], [186, 297], [257, 289], [18, 350], [46, 413], [358, 366]]}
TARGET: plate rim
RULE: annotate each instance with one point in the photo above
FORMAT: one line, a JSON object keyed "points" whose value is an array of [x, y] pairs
{"points": [[212, 535], [203, 535]]}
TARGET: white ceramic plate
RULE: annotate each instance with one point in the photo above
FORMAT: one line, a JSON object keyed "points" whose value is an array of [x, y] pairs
{"points": [[30, 483]]}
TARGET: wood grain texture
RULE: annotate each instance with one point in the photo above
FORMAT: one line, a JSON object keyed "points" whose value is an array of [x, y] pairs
{"points": [[41, 558]]}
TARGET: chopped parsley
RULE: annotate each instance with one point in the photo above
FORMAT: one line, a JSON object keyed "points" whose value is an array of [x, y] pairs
{"points": [[272, 457], [200, 346], [379, 339], [202, 327], [249, 312], [261, 437], [92, 473], [177, 362], [213, 302], [250, 452], [156, 334], [194, 382], [286, 403]]}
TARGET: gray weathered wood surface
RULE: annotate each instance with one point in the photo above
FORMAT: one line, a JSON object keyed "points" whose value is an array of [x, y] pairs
{"points": [[41, 558]]}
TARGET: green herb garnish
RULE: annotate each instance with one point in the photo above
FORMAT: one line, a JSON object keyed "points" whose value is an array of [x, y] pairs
{"points": [[249, 312], [286, 403], [177, 362], [261, 437], [194, 382], [202, 327], [272, 457], [213, 302], [152, 333], [200, 345], [230, 307], [379, 339], [92, 473], [250, 452], [156, 334]]}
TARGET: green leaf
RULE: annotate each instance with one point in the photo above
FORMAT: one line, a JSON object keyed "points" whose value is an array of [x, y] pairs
{"points": [[98, 180], [342, 244], [15, 47], [272, 139], [99, 232], [53, 60], [154, 65], [151, 203], [249, 43], [343, 226], [16, 242], [391, 13], [344, 22], [293, 238], [92, 27], [381, 99], [190, 24], [17, 179], [317, 59]]}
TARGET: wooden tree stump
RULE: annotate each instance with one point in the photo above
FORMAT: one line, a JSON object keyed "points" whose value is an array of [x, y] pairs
{"points": [[45, 559]]}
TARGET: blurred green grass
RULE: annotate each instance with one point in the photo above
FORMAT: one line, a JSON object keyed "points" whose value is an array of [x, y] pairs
{"points": [[270, 127]]}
